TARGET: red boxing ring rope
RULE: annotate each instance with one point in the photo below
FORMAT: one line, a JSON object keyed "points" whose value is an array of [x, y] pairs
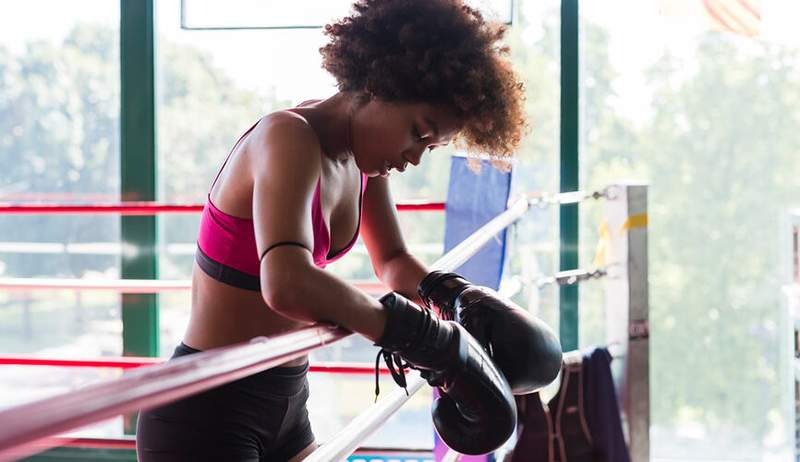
{"points": [[132, 286], [154, 208], [133, 362], [152, 386]]}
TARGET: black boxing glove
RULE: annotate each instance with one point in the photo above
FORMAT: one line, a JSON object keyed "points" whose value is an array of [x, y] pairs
{"points": [[476, 412], [522, 346]]}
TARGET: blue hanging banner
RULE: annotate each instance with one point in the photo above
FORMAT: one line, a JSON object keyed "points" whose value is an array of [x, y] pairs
{"points": [[473, 199]]}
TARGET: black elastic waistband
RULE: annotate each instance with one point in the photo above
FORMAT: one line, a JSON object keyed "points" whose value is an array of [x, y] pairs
{"points": [[280, 371], [226, 274]]}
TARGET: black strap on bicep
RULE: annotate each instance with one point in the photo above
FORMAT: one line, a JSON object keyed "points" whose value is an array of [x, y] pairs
{"points": [[282, 243]]}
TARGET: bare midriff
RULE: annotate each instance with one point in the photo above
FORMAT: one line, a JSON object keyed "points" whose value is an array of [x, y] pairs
{"points": [[225, 315]]}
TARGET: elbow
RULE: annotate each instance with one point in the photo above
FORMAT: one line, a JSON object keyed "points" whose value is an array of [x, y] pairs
{"points": [[281, 292], [278, 300]]}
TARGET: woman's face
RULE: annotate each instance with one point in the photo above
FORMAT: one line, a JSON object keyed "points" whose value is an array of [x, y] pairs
{"points": [[389, 136]]}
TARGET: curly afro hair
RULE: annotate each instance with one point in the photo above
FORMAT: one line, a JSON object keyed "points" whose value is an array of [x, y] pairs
{"points": [[434, 51]]}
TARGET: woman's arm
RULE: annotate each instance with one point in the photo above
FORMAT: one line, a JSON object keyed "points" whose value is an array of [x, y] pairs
{"points": [[394, 266], [286, 165]]}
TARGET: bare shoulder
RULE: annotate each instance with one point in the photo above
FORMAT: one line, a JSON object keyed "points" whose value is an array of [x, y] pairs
{"points": [[284, 141], [286, 161]]}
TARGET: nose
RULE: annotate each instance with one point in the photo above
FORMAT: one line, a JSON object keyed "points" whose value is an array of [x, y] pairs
{"points": [[414, 157]]}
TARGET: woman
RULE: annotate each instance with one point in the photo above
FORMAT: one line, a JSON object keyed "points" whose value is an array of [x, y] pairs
{"points": [[296, 191]]}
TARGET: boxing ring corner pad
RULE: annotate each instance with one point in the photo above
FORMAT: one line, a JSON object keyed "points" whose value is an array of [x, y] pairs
{"points": [[627, 305]]}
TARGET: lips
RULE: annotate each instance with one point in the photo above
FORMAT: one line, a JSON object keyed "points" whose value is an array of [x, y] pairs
{"points": [[387, 167]]}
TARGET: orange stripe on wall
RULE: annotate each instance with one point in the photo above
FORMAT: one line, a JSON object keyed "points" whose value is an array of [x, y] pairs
{"points": [[749, 6], [737, 16], [747, 23]]}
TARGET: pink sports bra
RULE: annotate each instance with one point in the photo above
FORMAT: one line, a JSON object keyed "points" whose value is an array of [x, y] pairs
{"points": [[226, 245]]}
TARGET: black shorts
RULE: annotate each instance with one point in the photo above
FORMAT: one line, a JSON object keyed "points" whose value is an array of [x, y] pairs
{"points": [[262, 417]]}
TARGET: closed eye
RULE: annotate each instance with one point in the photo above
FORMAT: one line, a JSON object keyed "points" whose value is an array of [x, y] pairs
{"points": [[416, 135]]}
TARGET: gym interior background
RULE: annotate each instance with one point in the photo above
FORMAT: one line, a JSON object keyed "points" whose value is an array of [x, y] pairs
{"points": [[700, 99]]}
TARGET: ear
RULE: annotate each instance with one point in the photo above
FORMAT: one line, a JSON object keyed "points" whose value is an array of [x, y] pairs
{"points": [[361, 97]]}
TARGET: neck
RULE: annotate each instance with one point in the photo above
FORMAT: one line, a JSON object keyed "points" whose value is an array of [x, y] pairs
{"points": [[331, 120]]}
